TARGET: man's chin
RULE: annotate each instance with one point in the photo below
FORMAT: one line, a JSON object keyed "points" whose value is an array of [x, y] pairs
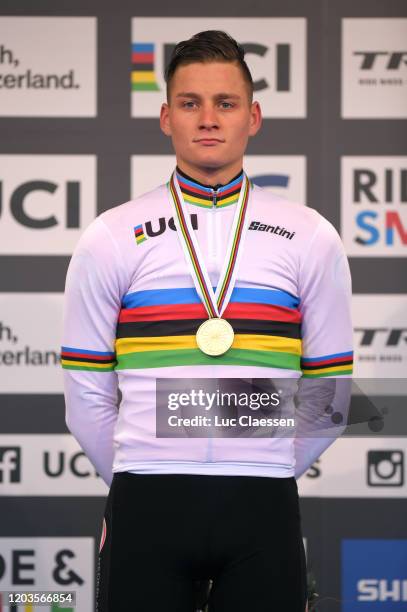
{"points": [[211, 161]]}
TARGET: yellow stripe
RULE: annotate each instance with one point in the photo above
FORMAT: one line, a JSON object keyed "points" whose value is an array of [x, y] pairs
{"points": [[189, 198], [138, 76], [331, 369], [198, 200], [161, 343], [258, 342], [241, 341], [231, 198], [93, 364]]}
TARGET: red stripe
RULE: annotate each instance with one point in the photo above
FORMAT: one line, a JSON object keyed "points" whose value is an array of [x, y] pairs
{"points": [[267, 312], [165, 312], [234, 310], [335, 361], [138, 57], [87, 356], [205, 193]]}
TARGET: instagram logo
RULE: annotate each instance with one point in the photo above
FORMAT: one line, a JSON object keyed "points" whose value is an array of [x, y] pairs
{"points": [[10, 464], [385, 468]]}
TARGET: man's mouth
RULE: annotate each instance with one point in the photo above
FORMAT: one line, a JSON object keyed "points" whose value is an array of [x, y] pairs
{"points": [[209, 141]]}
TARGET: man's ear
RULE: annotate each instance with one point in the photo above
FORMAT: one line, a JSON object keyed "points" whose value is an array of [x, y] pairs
{"points": [[255, 118], [164, 119]]}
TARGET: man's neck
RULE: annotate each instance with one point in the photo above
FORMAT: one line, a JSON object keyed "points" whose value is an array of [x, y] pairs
{"points": [[211, 176]]}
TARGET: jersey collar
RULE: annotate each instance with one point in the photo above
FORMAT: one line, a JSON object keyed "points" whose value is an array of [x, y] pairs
{"points": [[206, 196]]}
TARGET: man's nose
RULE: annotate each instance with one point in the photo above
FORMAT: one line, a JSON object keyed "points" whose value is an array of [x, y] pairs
{"points": [[208, 117]]}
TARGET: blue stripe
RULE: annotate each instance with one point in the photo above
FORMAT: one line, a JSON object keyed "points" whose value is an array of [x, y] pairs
{"points": [[157, 297], [312, 359], [143, 47], [209, 189], [70, 349]]}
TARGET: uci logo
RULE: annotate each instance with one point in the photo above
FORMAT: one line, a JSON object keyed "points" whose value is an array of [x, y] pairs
{"points": [[20, 210], [275, 53], [155, 228]]}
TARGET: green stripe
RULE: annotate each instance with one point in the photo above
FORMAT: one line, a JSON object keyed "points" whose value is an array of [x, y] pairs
{"points": [[145, 87], [332, 373], [90, 368], [180, 357]]}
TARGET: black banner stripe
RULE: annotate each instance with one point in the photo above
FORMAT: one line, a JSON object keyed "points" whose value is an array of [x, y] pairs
{"points": [[143, 67], [87, 359], [187, 327]]}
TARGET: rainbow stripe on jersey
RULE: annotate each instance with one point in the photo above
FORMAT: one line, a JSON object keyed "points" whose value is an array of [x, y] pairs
{"points": [[328, 365], [200, 195], [156, 329], [81, 359]]}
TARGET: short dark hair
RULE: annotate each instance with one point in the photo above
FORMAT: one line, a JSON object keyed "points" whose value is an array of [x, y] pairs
{"points": [[208, 46]]}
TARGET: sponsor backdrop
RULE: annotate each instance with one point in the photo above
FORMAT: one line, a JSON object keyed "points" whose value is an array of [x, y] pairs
{"points": [[81, 85]]}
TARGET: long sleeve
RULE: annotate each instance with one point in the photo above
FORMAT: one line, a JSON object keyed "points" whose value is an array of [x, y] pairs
{"points": [[324, 390], [95, 282]]}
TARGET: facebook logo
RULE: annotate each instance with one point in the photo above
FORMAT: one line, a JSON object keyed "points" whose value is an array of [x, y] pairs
{"points": [[10, 464]]}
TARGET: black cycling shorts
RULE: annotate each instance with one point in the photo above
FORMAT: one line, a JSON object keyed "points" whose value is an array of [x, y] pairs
{"points": [[167, 535]]}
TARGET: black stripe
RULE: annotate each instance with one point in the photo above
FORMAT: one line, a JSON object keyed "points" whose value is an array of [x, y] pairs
{"points": [[87, 360], [187, 327], [330, 365], [142, 67]]}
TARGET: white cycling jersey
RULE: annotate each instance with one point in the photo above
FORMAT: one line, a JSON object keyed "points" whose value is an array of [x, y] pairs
{"points": [[131, 313]]}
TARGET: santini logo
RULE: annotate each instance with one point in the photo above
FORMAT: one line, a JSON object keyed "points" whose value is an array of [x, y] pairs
{"points": [[272, 229]]}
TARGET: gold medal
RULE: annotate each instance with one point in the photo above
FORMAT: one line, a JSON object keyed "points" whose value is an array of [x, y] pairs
{"points": [[215, 336]]}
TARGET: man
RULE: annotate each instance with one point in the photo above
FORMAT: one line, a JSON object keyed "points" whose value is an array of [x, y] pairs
{"points": [[141, 306]]}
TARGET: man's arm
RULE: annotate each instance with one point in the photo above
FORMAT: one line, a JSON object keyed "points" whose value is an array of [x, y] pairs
{"points": [[327, 339], [95, 283]]}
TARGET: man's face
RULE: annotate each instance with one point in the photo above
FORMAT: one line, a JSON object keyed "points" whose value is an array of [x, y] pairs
{"points": [[209, 116]]}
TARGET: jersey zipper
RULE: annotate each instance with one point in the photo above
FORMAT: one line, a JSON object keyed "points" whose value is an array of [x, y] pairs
{"points": [[213, 239], [213, 242]]}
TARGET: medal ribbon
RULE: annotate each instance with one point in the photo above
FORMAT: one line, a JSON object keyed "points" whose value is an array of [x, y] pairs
{"points": [[215, 303]]}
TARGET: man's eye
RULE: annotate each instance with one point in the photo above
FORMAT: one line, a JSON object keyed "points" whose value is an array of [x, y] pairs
{"points": [[188, 104], [226, 104]]}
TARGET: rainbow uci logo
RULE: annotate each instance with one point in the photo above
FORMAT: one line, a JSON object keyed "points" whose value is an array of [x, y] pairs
{"points": [[142, 74], [139, 234]]}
